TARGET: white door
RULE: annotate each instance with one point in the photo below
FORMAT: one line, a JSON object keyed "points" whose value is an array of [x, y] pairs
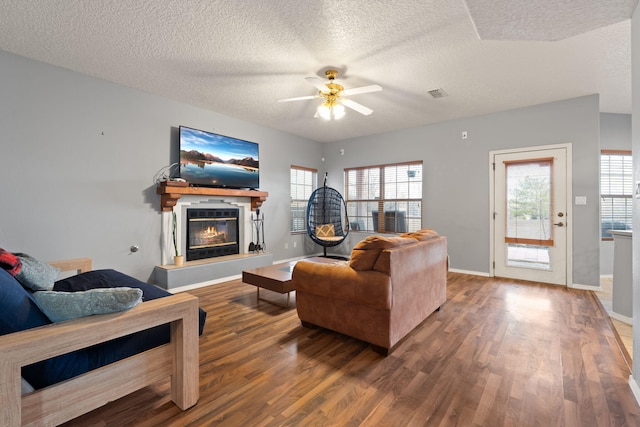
{"points": [[530, 218]]}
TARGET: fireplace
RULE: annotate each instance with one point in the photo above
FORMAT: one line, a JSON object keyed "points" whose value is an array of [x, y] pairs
{"points": [[211, 233]]}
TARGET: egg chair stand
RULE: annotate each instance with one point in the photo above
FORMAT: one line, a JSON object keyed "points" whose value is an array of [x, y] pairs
{"points": [[327, 220]]}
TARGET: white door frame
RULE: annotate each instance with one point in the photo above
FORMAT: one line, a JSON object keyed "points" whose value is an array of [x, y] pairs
{"points": [[569, 195]]}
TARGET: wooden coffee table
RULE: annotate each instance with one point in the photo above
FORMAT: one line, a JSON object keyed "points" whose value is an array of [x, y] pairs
{"points": [[276, 277]]}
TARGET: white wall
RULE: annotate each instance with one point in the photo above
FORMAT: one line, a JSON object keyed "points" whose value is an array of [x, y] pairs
{"points": [[456, 173], [634, 381], [78, 159], [615, 134]]}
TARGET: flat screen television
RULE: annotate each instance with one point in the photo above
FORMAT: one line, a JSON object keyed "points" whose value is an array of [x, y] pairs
{"points": [[211, 160]]}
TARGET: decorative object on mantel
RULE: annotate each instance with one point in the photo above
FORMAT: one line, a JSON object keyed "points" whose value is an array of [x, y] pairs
{"points": [[178, 259], [258, 226], [164, 174], [170, 194]]}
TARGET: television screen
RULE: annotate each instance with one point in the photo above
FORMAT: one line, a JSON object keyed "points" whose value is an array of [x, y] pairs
{"points": [[211, 160]]}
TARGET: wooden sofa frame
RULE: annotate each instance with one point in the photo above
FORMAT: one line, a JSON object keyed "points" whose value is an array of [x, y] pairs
{"points": [[56, 404]]}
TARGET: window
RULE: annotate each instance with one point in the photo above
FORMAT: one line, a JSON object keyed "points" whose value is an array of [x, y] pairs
{"points": [[303, 182], [385, 198], [616, 188]]}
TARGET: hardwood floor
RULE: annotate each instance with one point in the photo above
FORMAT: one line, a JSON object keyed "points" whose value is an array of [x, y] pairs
{"points": [[499, 353]]}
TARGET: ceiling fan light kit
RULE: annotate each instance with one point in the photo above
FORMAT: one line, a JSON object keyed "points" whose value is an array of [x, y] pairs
{"points": [[331, 109], [333, 105]]}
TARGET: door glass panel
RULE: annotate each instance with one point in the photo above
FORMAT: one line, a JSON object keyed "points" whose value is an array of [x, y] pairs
{"points": [[529, 228]]}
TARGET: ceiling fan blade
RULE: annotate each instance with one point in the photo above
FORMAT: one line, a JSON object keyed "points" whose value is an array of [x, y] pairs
{"points": [[358, 107], [319, 84], [362, 89], [299, 98]]}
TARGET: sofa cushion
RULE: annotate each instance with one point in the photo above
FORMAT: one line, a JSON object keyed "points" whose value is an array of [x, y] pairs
{"points": [[18, 309], [69, 365], [365, 253], [109, 278], [60, 306]]}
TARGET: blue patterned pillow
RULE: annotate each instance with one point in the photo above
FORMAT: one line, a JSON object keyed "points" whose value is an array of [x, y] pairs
{"points": [[59, 306], [36, 275]]}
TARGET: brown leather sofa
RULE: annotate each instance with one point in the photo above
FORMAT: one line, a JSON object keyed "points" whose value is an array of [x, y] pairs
{"points": [[388, 287]]}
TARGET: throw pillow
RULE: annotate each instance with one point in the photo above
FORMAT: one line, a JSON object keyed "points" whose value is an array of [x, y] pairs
{"points": [[10, 262], [36, 275], [59, 306], [366, 252], [325, 230], [421, 235]]}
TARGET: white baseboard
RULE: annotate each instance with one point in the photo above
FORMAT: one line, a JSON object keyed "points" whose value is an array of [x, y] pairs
{"points": [[586, 287], [635, 388], [472, 273], [203, 284], [620, 317]]}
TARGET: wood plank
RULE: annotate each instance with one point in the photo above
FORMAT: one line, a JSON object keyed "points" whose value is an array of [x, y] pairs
{"points": [[169, 195], [500, 352]]}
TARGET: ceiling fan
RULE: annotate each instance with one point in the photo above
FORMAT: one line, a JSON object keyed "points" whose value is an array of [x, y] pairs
{"points": [[334, 97]]}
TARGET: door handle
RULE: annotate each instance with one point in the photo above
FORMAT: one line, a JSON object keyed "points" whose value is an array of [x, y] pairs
{"points": [[559, 224]]}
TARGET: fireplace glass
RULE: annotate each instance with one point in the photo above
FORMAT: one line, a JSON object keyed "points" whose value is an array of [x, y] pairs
{"points": [[211, 233]]}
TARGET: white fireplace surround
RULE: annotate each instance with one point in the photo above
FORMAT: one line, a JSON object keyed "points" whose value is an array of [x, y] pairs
{"points": [[245, 225]]}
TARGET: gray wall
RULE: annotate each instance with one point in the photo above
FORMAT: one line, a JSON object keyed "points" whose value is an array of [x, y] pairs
{"points": [[456, 173], [78, 160], [615, 134], [80, 155]]}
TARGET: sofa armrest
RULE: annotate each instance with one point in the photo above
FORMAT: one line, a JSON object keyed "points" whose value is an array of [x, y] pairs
{"points": [[339, 281], [30, 346]]}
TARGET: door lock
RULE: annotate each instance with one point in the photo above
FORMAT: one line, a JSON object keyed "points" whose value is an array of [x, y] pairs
{"points": [[560, 214]]}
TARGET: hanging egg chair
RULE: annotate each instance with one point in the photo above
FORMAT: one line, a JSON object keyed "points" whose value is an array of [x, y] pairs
{"points": [[327, 220]]}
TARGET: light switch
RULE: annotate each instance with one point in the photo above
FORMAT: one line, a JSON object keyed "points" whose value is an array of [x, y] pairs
{"points": [[581, 200]]}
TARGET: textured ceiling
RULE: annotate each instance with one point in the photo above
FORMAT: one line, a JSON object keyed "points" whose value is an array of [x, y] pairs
{"points": [[237, 58]]}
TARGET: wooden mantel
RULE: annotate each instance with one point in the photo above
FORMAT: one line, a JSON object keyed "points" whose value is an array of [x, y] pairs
{"points": [[170, 194]]}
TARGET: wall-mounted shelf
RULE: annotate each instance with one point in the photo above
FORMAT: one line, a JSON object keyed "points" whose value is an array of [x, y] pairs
{"points": [[170, 193]]}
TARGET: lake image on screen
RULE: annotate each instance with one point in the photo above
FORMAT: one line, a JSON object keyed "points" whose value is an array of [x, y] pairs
{"points": [[219, 175], [209, 159]]}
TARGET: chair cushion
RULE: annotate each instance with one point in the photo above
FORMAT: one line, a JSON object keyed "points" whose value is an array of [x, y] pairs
{"points": [[51, 371]]}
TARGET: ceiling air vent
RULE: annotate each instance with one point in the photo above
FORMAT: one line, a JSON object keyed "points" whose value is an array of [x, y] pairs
{"points": [[437, 93]]}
